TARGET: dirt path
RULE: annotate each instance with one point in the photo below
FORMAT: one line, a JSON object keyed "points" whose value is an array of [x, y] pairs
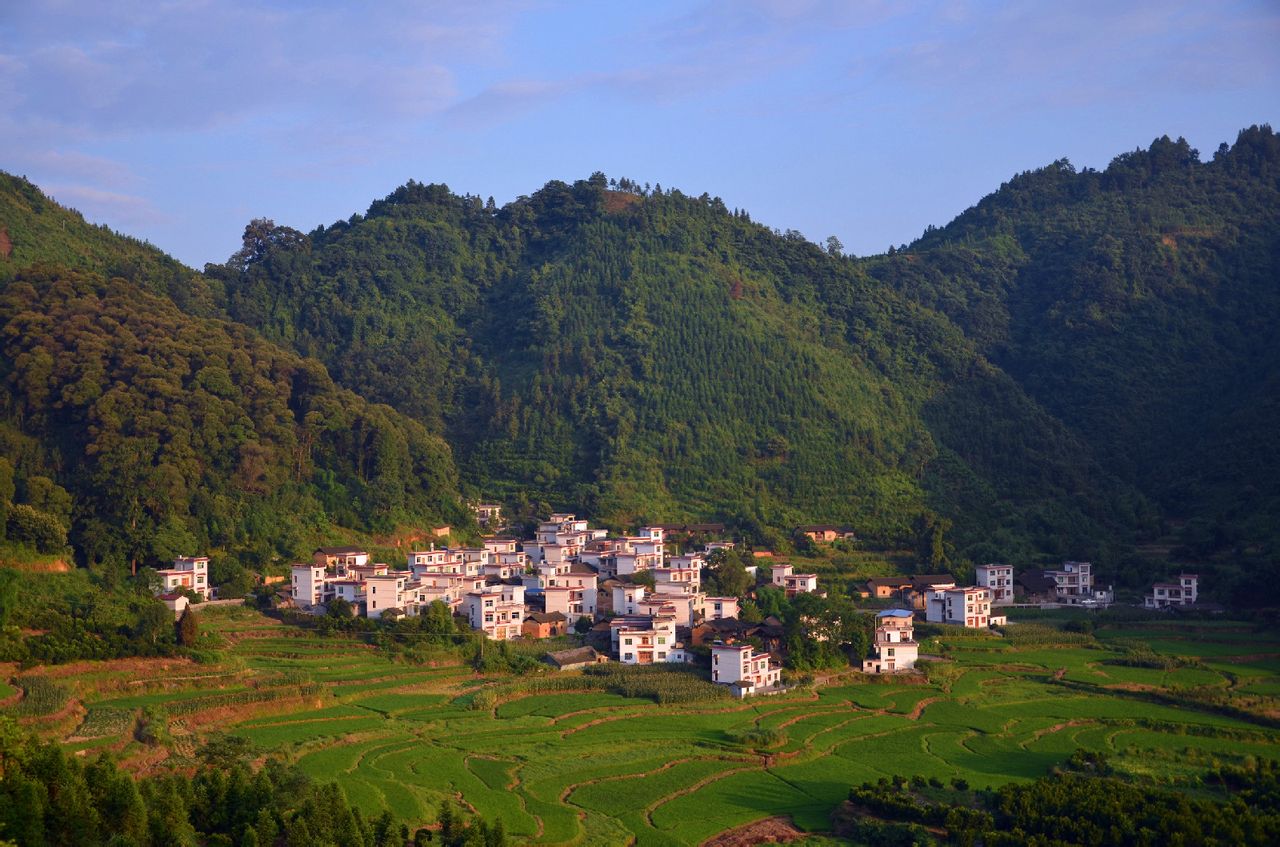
{"points": [[776, 830]]}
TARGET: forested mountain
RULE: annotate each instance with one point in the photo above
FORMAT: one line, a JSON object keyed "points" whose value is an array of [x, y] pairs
{"points": [[1137, 305], [174, 433], [1077, 363], [651, 356]]}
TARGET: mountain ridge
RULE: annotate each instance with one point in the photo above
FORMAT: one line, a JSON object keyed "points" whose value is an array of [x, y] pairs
{"points": [[1022, 371]]}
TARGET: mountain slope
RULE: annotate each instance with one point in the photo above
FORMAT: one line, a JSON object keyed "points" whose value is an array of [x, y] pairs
{"points": [[175, 433], [1138, 306], [660, 358], [35, 228]]}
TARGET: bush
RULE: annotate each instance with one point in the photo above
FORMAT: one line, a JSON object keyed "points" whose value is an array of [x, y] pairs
{"points": [[760, 739], [45, 531]]}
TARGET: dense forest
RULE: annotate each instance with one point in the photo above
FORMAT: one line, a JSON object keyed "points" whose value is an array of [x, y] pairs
{"points": [[1081, 363], [50, 798], [1083, 802], [168, 434]]}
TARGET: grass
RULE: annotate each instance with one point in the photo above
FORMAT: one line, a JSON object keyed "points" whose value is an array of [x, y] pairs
{"points": [[593, 767]]}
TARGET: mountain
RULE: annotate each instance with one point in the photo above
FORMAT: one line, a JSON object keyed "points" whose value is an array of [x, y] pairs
{"points": [[656, 357], [150, 432], [1138, 306], [35, 228], [1081, 363]]}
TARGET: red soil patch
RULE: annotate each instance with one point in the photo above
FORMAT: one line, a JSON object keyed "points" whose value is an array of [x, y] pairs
{"points": [[619, 201], [56, 566], [142, 669], [6, 246], [777, 830]]}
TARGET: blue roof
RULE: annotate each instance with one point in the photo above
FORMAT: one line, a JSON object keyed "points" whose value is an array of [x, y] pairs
{"points": [[896, 613]]}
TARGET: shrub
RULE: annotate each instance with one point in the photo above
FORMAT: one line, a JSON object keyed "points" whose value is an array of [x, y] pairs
{"points": [[759, 739]]}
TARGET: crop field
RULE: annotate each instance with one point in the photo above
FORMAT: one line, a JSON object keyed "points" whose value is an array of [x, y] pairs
{"points": [[590, 767]]}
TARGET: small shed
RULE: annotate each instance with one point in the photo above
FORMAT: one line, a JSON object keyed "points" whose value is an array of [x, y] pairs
{"points": [[579, 657]]}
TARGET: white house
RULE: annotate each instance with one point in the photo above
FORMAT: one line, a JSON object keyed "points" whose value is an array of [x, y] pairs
{"points": [[998, 578], [497, 610], [189, 572], [646, 640], [1184, 592], [385, 591], [893, 648], [793, 583], [575, 593], [1074, 580], [718, 608], [625, 598], [969, 607], [739, 666], [308, 585]]}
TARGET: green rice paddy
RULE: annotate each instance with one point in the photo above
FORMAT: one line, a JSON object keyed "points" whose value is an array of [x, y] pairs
{"points": [[592, 768]]}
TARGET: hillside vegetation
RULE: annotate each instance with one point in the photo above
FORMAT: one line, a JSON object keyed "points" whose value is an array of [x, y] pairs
{"points": [[1082, 361], [173, 434]]}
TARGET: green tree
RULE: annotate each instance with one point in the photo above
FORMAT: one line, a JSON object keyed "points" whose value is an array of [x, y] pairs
{"points": [[188, 629]]}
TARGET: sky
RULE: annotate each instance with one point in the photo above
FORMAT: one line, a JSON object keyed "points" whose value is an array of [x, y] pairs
{"points": [[178, 121]]}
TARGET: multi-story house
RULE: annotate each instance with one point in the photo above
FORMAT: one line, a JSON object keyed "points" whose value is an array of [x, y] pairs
{"points": [[719, 608], [308, 585], [924, 587], [998, 578], [189, 572], [739, 666], [1184, 592], [625, 598], [680, 573], [646, 640], [383, 592], [893, 647], [969, 607], [1074, 579], [497, 610], [784, 577]]}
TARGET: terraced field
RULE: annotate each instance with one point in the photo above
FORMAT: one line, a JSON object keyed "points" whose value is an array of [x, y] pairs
{"points": [[593, 768]]}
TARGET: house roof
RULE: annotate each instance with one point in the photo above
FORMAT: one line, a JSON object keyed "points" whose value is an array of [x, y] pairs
{"points": [[340, 551], [545, 617], [576, 656], [895, 613], [928, 579], [889, 580], [1036, 581]]}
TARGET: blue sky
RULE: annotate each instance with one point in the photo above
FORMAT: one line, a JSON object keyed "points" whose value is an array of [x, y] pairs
{"points": [[177, 121]]}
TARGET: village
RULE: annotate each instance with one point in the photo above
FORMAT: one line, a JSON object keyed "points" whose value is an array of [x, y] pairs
{"points": [[642, 602]]}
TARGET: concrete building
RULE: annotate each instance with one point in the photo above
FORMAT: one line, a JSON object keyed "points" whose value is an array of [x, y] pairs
{"points": [[784, 577], [893, 648], [968, 607], [739, 666], [189, 572], [1184, 592], [497, 611], [998, 578], [383, 592]]}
